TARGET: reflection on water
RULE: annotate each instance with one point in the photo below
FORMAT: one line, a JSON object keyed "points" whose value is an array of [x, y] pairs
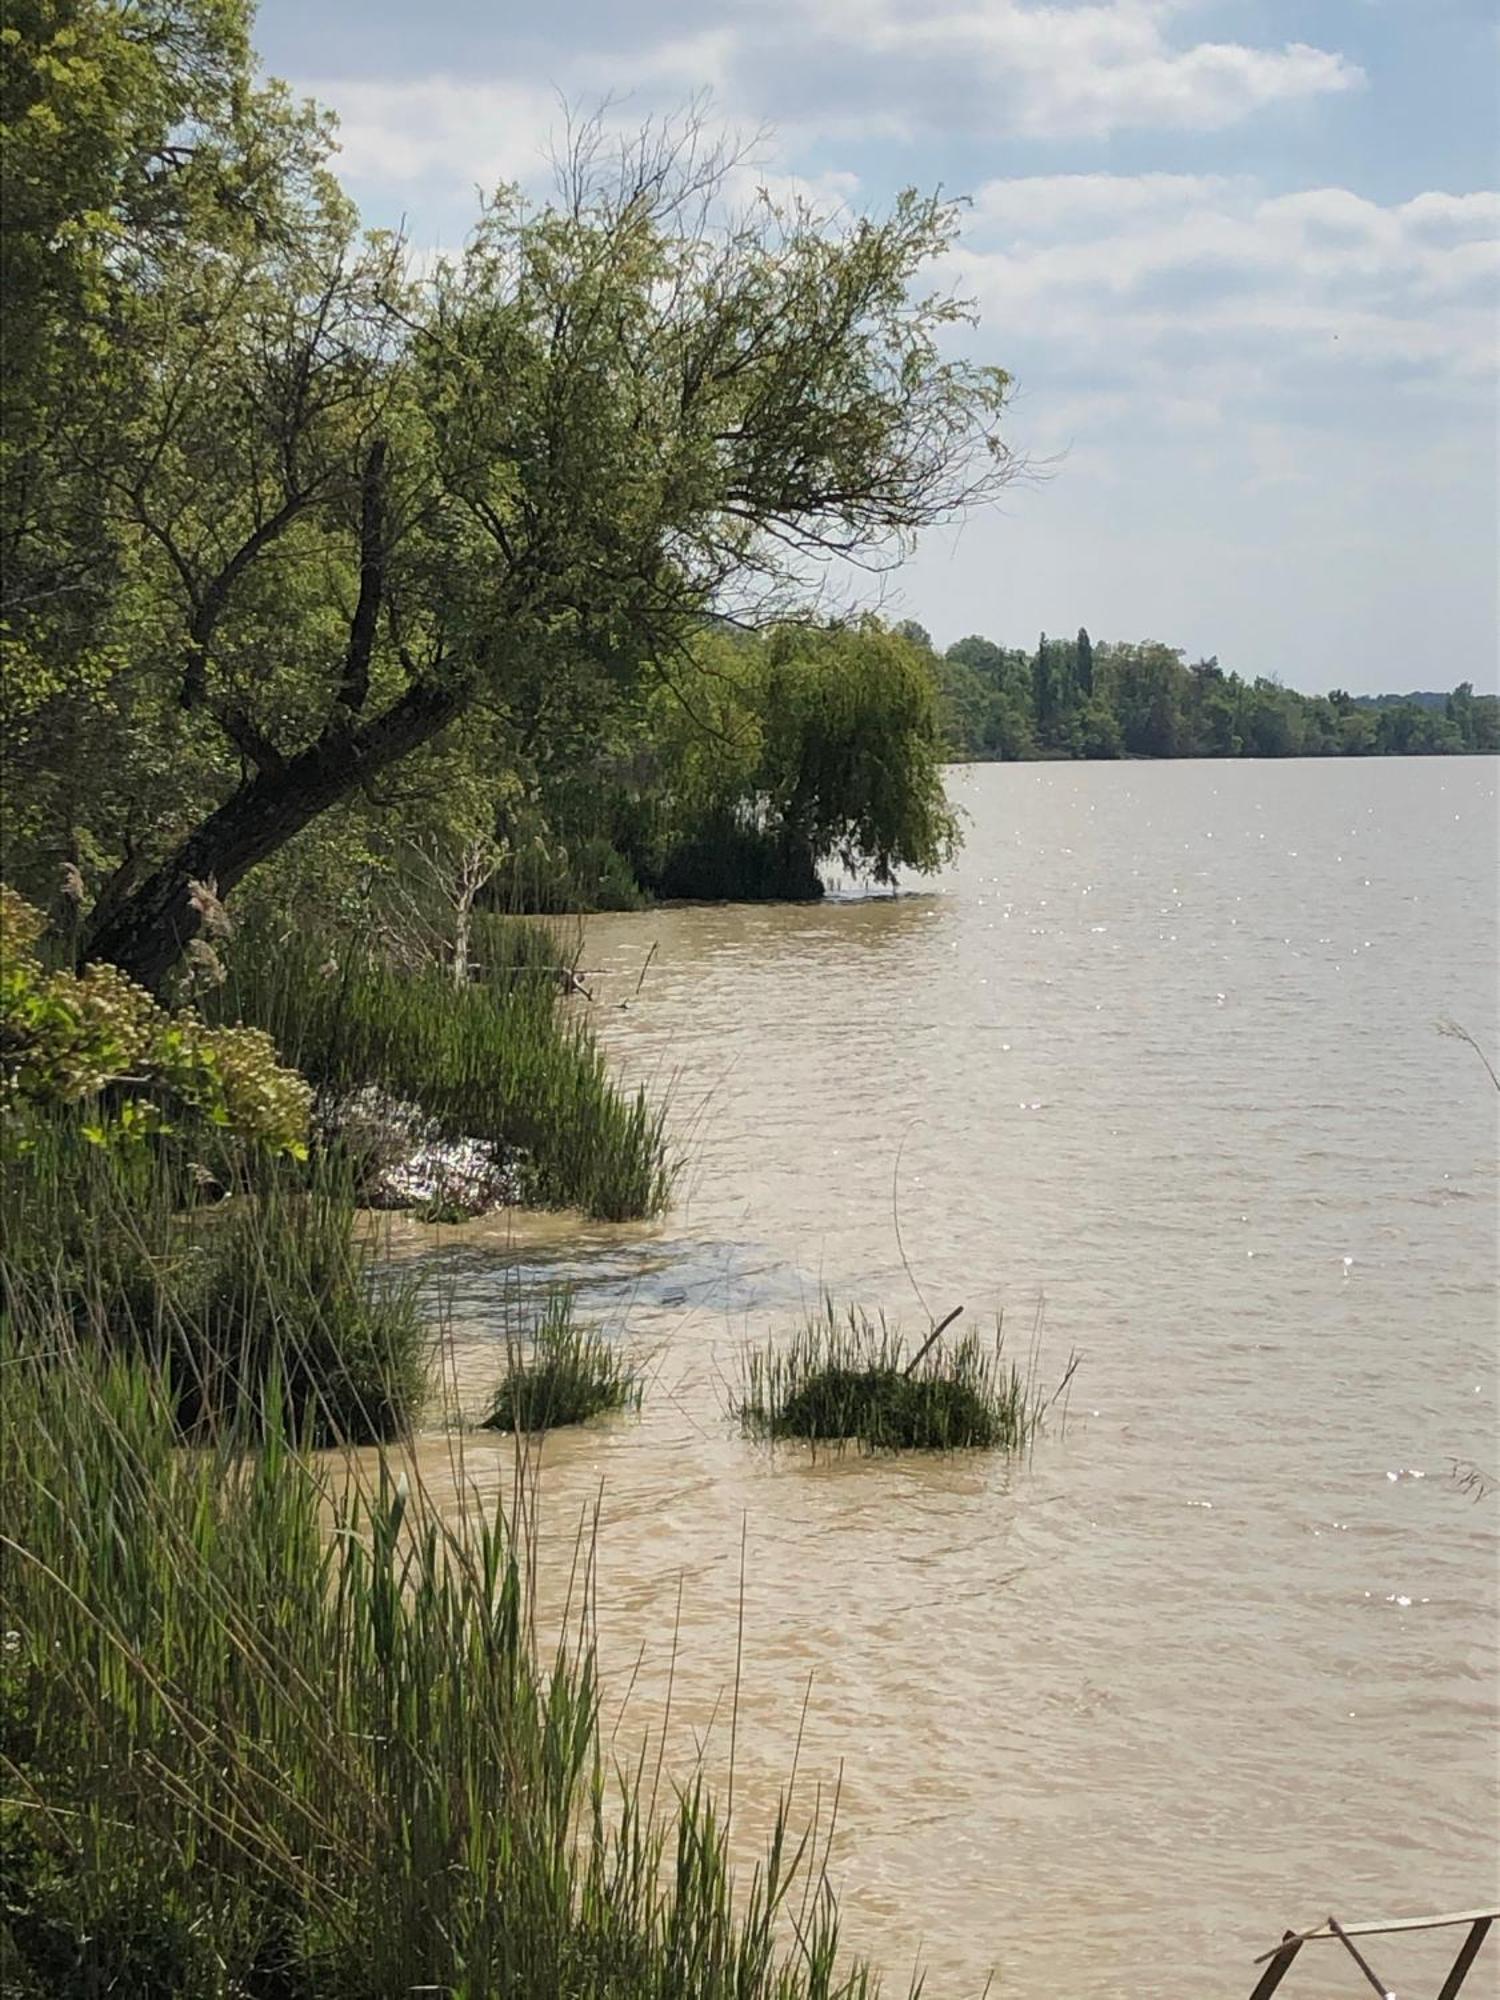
{"points": [[1159, 1051], [614, 1279]]}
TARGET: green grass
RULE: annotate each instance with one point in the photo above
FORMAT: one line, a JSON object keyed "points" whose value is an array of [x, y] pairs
{"points": [[268, 1733], [845, 1377], [566, 1374], [266, 1284], [499, 1060]]}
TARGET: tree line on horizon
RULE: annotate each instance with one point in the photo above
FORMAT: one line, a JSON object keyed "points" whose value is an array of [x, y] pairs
{"points": [[1074, 698]]}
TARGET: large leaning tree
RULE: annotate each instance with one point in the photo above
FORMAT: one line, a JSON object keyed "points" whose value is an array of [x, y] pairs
{"points": [[277, 512]]}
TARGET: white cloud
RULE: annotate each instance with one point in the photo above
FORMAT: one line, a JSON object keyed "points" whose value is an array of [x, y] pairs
{"points": [[1095, 69], [852, 68], [477, 133], [1241, 378], [1202, 274]]}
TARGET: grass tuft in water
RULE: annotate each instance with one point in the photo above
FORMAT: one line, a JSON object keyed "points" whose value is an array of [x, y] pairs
{"points": [[848, 1378], [566, 1375]]}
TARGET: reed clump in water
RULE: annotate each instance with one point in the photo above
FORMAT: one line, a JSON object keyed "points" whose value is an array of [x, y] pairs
{"points": [[567, 1374], [846, 1377], [272, 1728]]}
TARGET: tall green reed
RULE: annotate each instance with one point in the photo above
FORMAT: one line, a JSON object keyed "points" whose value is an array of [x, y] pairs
{"points": [[561, 1373], [275, 1729], [268, 1281], [497, 1059]]}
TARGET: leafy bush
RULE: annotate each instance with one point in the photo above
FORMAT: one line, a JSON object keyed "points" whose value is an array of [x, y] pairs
{"points": [[847, 1377], [96, 1039], [567, 1375]]}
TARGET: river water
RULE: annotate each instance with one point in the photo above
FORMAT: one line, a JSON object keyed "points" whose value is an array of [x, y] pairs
{"points": [[1153, 1069]]}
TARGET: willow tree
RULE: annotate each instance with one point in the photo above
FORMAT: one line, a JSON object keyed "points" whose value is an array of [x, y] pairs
{"points": [[343, 508], [850, 769]]}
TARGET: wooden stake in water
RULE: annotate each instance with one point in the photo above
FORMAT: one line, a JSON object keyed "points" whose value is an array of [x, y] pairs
{"points": [[931, 1341]]}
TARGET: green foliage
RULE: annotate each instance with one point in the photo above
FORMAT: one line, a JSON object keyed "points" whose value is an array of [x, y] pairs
{"points": [[764, 760], [563, 877], [1083, 664], [154, 193], [846, 1377], [98, 1041], [264, 1286], [1075, 699], [566, 1374], [986, 704], [495, 1060], [283, 517], [271, 1737], [850, 763], [1094, 732]]}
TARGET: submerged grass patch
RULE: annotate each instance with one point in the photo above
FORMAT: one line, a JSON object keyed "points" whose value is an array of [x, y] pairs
{"points": [[567, 1374], [845, 1377]]}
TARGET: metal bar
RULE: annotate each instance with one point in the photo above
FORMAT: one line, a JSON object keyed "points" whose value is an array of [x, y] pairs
{"points": [[1391, 1924], [1359, 1959], [1276, 1964], [1468, 1951]]}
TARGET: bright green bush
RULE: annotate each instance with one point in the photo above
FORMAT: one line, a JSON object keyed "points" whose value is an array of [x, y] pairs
{"points": [[97, 1040]]}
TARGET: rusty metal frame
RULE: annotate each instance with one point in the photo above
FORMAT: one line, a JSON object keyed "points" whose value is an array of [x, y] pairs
{"points": [[1278, 1960]]}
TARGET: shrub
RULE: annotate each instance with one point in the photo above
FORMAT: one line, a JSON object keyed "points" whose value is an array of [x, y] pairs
{"points": [[95, 1039], [567, 1375], [847, 1377]]}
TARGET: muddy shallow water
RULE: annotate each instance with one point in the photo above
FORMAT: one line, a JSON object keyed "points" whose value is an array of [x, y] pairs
{"points": [[1154, 1064]]}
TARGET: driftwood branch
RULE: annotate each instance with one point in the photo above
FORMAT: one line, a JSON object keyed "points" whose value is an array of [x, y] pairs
{"points": [[930, 1342], [1461, 1034]]}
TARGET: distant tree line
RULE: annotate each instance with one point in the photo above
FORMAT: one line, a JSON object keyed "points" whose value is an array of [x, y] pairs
{"points": [[1073, 698]]}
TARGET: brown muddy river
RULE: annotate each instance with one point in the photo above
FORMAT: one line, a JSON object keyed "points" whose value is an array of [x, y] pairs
{"points": [[1156, 1064]]}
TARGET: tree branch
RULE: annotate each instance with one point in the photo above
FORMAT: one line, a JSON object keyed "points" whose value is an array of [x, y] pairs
{"points": [[209, 608], [252, 743], [355, 686]]}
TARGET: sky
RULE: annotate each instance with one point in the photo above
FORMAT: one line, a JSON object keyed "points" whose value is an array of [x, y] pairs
{"points": [[1242, 258]]}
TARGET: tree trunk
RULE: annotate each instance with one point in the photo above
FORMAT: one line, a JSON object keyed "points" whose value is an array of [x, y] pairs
{"points": [[148, 930]]}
